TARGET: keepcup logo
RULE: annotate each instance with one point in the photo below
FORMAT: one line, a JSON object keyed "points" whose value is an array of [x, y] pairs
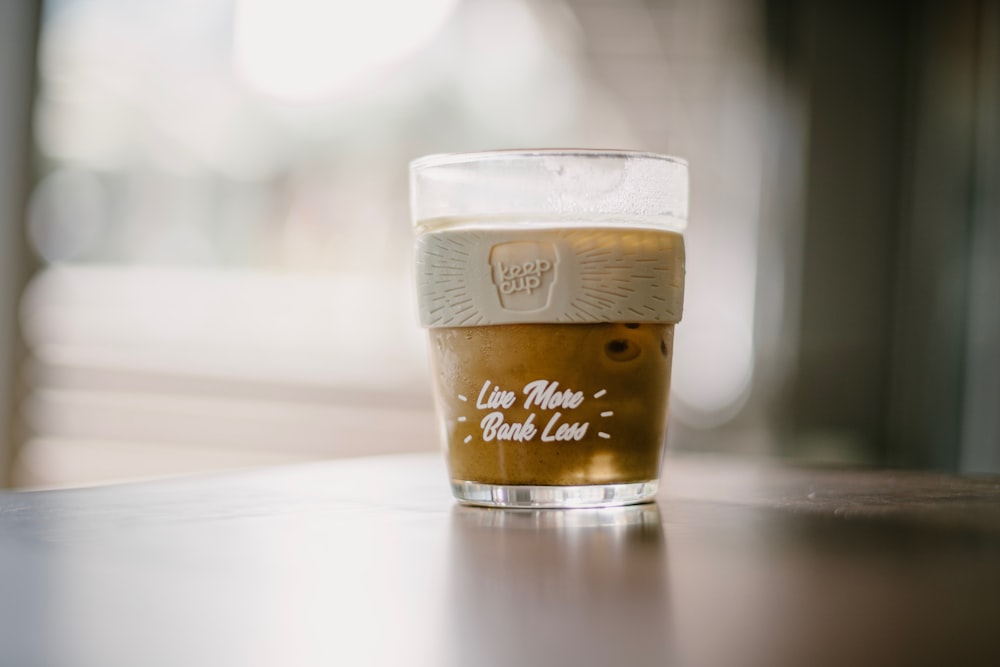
{"points": [[522, 277], [523, 273]]}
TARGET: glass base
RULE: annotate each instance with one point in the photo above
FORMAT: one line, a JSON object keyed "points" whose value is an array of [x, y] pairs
{"points": [[555, 497]]}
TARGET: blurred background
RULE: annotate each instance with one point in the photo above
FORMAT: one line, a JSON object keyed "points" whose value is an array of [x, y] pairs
{"points": [[205, 245]]}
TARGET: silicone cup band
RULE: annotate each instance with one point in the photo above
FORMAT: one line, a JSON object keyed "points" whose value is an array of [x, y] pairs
{"points": [[485, 276]]}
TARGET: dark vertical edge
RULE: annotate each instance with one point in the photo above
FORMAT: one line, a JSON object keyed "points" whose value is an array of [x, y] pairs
{"points": [[779, 255], [855, 62], [980, 445], [923, 419], [19, 29]]}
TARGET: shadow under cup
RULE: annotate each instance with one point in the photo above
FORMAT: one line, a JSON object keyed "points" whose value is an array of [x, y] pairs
{"points": [[550, 283]]}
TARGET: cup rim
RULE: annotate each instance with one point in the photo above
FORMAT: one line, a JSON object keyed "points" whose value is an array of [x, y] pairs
{"points": [[447, 159]]}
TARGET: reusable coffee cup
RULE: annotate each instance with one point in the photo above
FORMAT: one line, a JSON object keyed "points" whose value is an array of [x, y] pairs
{"points": [[550, 282]]}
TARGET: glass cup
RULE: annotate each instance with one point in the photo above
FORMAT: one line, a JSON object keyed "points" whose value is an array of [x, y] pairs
{"points": [[550, 282]]}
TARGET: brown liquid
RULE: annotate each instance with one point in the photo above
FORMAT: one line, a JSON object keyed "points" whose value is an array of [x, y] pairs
{"points": [[604, 422]]}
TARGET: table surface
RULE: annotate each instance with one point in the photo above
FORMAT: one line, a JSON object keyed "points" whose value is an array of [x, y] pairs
{"points": [[370, 562]]}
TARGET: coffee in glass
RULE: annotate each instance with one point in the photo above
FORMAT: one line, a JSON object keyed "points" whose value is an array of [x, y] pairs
{"points": [[550, 282]]}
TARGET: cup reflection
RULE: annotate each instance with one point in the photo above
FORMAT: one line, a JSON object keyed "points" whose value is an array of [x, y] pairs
{"points": [[524, 581]]}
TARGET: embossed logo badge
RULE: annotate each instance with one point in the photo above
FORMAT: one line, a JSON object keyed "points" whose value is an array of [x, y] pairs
{"points": [[524, 272]]}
